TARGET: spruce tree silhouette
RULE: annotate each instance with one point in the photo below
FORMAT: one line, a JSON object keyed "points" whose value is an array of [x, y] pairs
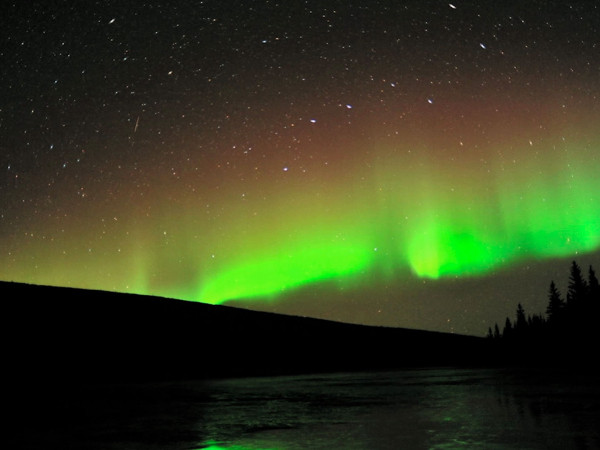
{"points": [[594, 287], [556, 305], [521, 323], [577, 292], [507, 333], [578, 319]]}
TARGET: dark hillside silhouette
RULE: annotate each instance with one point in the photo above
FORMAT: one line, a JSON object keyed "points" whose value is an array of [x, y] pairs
{"points": [[71, 335]]}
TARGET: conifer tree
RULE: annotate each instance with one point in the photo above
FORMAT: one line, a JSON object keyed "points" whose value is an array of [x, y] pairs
{"points": [[577, 291], [497, 331], [594, 286], [555, 304], [508, 329], [577, 285], [521, 322], [592, 306]]}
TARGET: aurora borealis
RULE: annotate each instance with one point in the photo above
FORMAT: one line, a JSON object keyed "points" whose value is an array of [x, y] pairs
{"points": [[416, 164]]}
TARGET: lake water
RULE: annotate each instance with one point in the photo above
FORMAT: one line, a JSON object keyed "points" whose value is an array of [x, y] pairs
{"points": [[411, 409]]}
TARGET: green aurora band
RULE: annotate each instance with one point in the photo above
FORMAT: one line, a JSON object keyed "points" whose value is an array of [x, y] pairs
{"points": [[411, 217], [402, 217]]}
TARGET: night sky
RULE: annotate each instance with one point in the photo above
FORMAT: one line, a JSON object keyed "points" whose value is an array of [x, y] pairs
{"points": [[420, 164]]}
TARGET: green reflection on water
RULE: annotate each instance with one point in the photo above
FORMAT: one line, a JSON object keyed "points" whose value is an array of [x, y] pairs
{"points": [[213, 445]]}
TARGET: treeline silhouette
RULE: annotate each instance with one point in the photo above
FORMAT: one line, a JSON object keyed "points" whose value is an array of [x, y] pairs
{"points": [[567, 330]]}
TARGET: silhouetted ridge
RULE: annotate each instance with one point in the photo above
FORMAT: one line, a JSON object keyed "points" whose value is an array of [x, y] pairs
{"points": [[73, 334]]}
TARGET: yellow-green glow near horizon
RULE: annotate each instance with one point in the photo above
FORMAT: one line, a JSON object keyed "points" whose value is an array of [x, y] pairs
{"points": [[406, 218]]}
